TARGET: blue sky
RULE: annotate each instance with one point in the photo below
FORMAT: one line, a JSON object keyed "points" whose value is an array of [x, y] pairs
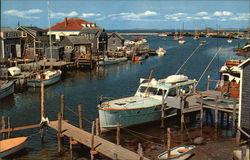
{"points": [[128, 14]]}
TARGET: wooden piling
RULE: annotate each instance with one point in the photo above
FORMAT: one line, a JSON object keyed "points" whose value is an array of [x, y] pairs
{"points": [[234, 117], [71, 147], [59, 132], [97, 127], [201, 112], [42, 100], [8, 127], [182, 116], [216, 114], [62, 105], [3, 126], [92, 140], [140, 151], [80, 115], [118, 134], [169, 142], [222, 118], [162, 111], [208, 82]]}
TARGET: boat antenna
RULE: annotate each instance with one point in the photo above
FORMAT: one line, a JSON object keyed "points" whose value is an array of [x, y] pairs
{"points": [[149, 80], [50, 40]]}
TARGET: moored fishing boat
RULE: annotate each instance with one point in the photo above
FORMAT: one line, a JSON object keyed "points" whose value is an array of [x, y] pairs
{"points": [[109, 61], [161, 51], [230, 78], [47, 78], [6, 88], [145, 105], [12, 145], [229, 41], [181, 41], [178, 153]]}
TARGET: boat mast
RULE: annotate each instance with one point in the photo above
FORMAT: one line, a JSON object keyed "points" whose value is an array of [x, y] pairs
{"points": [[50, 40]]}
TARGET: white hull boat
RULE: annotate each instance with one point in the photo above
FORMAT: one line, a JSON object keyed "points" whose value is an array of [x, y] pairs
{"points": [[109, 61], [178, 153], [181, 41], [160, 51], [145, 105]]}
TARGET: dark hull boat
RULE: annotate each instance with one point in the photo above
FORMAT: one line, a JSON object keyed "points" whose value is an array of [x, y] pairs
{"points": [[6, 89]]}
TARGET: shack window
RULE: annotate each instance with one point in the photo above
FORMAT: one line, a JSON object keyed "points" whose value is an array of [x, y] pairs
{"points": [[113, 41]]}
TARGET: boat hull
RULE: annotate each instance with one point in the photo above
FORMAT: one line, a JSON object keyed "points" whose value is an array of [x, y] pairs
{"points": [[109, 119], [108, 62], [14, 149], [7, 89], [46, 82]]}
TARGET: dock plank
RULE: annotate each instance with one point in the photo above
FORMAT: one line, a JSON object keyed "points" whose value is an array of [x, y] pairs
{"points": [[104, 147]]}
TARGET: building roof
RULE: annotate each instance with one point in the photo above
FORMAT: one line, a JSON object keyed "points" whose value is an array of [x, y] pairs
{"points": [[96, 31], [117, 34], [78, 40], [8, 29], [72, 24], [34, 28]]}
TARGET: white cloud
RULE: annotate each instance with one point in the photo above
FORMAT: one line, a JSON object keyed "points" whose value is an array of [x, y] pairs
{"points": [[87, 15], [133, 16], [23, 14], [202, 13], [60, 15], [241, 17], [223, 13], [177, 16]]}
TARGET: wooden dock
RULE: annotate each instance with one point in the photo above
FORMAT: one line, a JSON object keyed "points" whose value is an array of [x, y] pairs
{"points": [[109, 149]]}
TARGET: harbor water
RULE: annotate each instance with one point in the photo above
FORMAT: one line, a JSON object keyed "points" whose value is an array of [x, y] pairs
{"points": [[114, 81]]}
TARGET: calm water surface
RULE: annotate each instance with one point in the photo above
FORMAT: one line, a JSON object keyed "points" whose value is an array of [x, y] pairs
{"points": [[85, 87]]}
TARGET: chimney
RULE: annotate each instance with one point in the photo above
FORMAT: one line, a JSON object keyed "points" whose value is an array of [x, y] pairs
{"points": [[65, 21]]}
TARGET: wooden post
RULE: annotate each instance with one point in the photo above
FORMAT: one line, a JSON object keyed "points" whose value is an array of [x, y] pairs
{"points": [[201, 112], [80, 115], [140, 151], [97, 127], [3, 126], [71, 147], [42, 100], [59, 132], [8, 127], [216, 114], [162, 111], [118, 134], [169, 142], [92, 140], [208, 82], [115, 156], [234, 117], [238, 137], [222, 118], [182, 115], [62, 106]]}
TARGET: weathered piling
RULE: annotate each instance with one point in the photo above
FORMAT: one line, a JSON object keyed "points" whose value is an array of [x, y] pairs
{"points": [[59, 132], [62, 105], [71, 147], [216, 114], [80, 116], [169, 142], [140, 151], [92, 140], [234, 117], [201, 112], [42, 100], [3, 126], [97, 126], [208, 82], [162, 112], [182, 114], [118, 134], [8, 127]]}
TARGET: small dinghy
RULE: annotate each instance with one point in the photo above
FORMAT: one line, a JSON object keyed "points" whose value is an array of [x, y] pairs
{"points": [[12, 145], [178, 153]]}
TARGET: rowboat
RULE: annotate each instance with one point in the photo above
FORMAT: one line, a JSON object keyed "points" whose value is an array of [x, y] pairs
{"points": [[6, 88], [12, 145], [47, 78], [203, 42], [178, 153], [145, 105], [109, 61]]}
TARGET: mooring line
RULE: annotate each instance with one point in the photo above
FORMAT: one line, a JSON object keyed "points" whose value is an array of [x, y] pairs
{"points": [[208, 65], [188, 59]]}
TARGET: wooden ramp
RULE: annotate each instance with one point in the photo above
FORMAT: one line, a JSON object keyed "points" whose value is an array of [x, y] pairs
{"points": [[109, 149]]}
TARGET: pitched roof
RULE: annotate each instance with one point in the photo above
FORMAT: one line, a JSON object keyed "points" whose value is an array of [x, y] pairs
{"points": [[8, 29], [34, 28], [78, 40], [96, 31], [72, 24], [117, 34]]}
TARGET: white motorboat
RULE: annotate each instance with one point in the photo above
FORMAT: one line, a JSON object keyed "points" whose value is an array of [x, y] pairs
{"points": [[178, 153], [181, 41], [161, 51]]}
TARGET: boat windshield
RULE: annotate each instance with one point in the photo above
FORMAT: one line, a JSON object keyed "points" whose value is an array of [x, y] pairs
{"points": [[152, 90]]}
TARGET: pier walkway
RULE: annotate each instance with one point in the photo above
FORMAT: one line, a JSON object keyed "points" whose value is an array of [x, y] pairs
{"points": [[103, 146]]}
